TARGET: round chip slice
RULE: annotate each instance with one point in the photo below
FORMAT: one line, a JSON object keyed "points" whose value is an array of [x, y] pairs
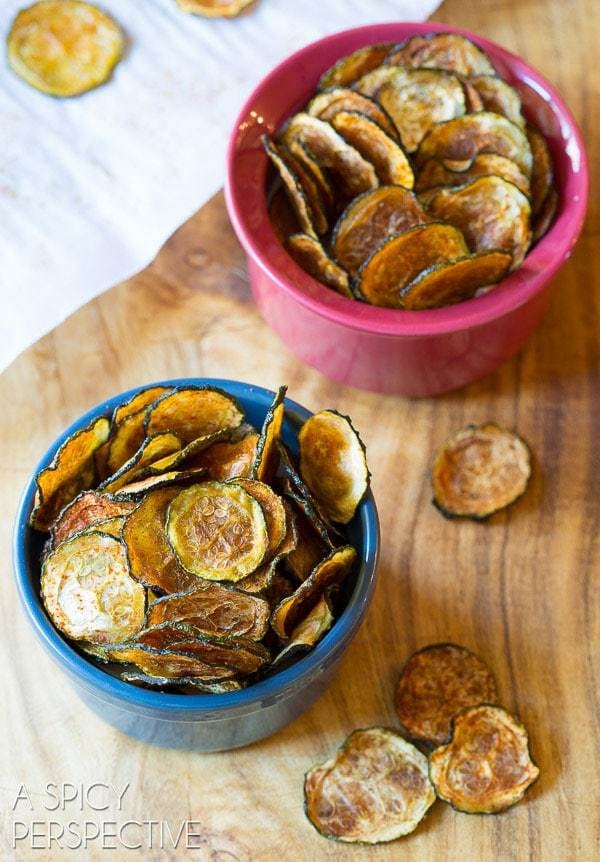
{"points": [[273, 510], [138, 402], [449, 51], [448, 283], [370, 84], [384, 276], [192, 412], [436, 683], [499, 97], [330, 102], [370, 219], [266, 457], [64, 47], [87, 509], [376, 146], [350, 68], [312, 257], [479, 470], [376, 788], [333, 464], [215, 8], [88, 591], [217, 531], [491, 213], [434, 173], [486, 767]]}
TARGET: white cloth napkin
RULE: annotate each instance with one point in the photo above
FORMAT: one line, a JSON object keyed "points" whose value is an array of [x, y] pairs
{"points": [[91, 187]]}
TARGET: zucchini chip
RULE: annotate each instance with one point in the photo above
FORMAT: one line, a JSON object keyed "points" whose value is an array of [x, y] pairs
{"points": [[418, 99], [319, 175], [491, 213], [371, 84], [109, 527], [193, 412], [486, 767], [64, 48], [499, 97], [215, 8], [457, 142], [376, 146], [330, 102], [351, 173], [545, 218], [372, 218], [312, 257], [88, 591], [273, 510], [152, 449], [309, 550], [384, 276], [168, 663], [282, 216], [185, 684], [333, 464], [72, 470], [298, 491], [434, 173], [142, 399], [215, 610], [151, 560], [349, 69], [125, 439], [296, 192], [473, 101], [179, 457], [542, 178], [87, 509], [229, 459], [448, 51], [375, 788], [307, 633], [266, 458], [480, 470], [217, 531], [436, 683], [261, 580], [447, 283], [329, 573], [137, 489]]}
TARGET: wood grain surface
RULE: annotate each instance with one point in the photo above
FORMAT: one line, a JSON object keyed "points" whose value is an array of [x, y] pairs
{"points": [[521, 590]]}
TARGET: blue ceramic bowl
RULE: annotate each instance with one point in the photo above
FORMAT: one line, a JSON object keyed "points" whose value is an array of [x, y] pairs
{"points": [[201, 722]]}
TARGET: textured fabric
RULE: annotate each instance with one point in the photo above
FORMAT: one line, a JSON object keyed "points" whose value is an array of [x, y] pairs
{"points": [[90, 187]]}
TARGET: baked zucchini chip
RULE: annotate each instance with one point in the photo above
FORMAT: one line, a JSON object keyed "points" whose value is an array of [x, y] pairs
{"points": [[64, 47], [319, 175], [448, 283], [136, 490], [350, 68], [125, 439], [544, 219], [152, 449], [375, 788], [228, 460], [333, 464], [282, 216], [434, 173], [273, 510], [372, 218], [191, 684], [473, 101], [310, 547], [480, 470], [491, 213], [296, 192], [312, 257], [486, 767], [88, 591], [193, 412], [72, 470], [436, 683], [384, 276], [542, 176], [449, 51], [300, 494], [329, 573], [457, 142], [217, 531], [168, 663], [87, 509], [330, 102], [266, 458], [215, 610], [215, 8], [351, 173], [376, 146], [138, 402], [179, 457], [499, 97], [370, 85], [109, 527], [306, 634], [418, 99]]}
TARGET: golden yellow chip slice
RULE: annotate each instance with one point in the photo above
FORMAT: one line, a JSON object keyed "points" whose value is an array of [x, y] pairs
{"points": [[192, 412], [449, 51], [376, 146], [64, 47], [455, 281], [350, 68]]}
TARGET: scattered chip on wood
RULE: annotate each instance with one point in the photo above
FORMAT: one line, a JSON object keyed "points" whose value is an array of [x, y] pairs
{"points": [[499, 97], [328, 103], [436, 683], [383, 277], [347, 70], [376, 788], [448, 283], [215, 8], [449, 51], [376, 146], [294, 189], [192, 412], [487, 766], [64, 47], [266, 457], [87, 509], [310, 255], [480, 470], [434, 173]]}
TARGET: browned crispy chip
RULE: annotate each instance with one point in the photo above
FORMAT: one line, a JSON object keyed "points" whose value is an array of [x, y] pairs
{"points": [[491, 213], [328, 103], [307, 633], [215, 8], [370, 219], [542, 177], [479, 470], [142, 399], [312, 257], [320, 175], [434, 173], [350, 68], [273, 510], [185, 684], [371, 83], [486, 767], [168, 663], [89, 508], [383, 277], [152, 449], [376, 146], [229, 459], [266, 457], [375, 788], [473, 101], [545, 218], [125, 439], [137, 489], [310, 546], [447, 283], [499, 97], [448, 51], [436, 683], [193, 412], [296, 192]]}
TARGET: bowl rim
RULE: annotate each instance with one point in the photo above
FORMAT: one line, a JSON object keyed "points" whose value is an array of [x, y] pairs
{"points": [[515, 290], [102, 683]]}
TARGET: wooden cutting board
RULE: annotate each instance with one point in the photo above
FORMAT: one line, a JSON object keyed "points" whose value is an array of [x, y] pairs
{"points": [[520, 590]]}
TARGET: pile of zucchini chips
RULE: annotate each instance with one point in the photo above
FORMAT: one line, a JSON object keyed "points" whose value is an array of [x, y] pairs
{"points": [[458, 745], [411, 179], [191, 550]]}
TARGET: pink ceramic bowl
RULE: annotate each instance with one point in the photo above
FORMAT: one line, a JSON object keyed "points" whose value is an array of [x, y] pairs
{"points": [[408, 352]]}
